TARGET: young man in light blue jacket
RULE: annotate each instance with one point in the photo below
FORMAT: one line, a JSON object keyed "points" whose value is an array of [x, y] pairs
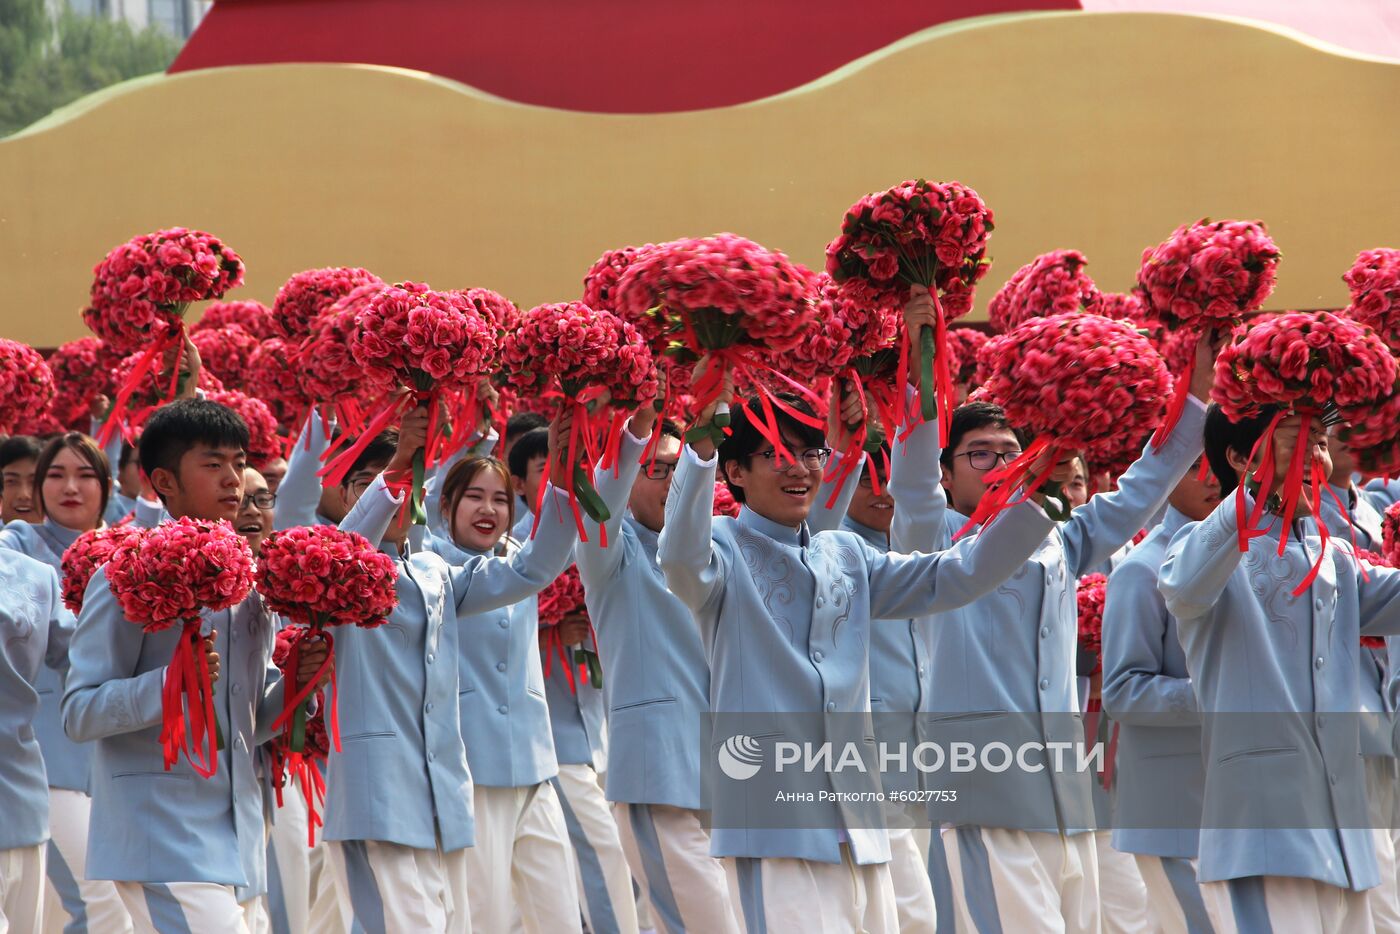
{"points": [[1147, 691], [1285, 843], [785, 617], [34, 631]]}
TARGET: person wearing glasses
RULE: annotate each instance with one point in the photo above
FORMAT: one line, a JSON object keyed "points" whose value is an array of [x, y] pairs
{"points": [[784, 615], [998, 663]]}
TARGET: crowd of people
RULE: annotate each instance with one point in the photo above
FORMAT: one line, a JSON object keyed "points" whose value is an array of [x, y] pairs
{"points": [[495, 764]]}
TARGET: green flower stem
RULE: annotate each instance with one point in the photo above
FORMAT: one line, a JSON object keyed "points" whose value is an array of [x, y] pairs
{"points": [[927, 404]]}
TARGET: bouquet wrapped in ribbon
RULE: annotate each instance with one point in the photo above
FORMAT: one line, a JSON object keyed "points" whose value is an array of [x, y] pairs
{"points": [[502, 316], [307, 295], [226, 352], [82, 371], [140, 293], [963, 345], [1053, 283], [1079, 383], [165, 577], [146, 393], [734, 300], [89, 552], [318, 577], [26, 385], [1204, 278], [1311, 364], [917, 233], [252, 316], [305, 766], [1374, 281], [590, 359], [329, 373], [432, 344], [600, 285], [1089, 594], [269, 379], [561, 602]]}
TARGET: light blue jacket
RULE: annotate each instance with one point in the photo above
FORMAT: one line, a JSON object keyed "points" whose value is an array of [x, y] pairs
{"points": [[149, 824], [34, 631], [68, 764], [119, 506], [1252, 647], [785, 618], [299, 495], [997, 665], [401, 775], [577, 716], [1147, 691]]}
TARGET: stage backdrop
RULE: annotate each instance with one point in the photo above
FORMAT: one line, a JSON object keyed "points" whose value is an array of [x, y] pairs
{"points": [[1097, 132]]}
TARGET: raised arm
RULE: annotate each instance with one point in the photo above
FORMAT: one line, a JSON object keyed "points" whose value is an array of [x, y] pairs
{"points": [[686, 551], [920, 520], [1200, 560], [597, 564], [910, 585], [845, 410], [300, 491], [1135, 627], [103, 693]]}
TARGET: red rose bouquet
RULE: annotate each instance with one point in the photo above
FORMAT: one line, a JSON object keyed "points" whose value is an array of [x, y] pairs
{"points": [[26, 385], [1390, 536], [252, 316], [600, 284], [1079, 383], [1089, 595], [226, 352], [735, 300], [1374, 281], [435, 344], [82, 370], [264, 443], [272, 369], [164, 577], [89, 552], [1053, 283], [963, 345], [329, 374], [917, 233], [307, 295], [725, 504], [306, 765], [585, 356], [559, 602], [1206, 277], [145, 394], [140, 293], [318, 577], [1127, 306], [1300, 363]]}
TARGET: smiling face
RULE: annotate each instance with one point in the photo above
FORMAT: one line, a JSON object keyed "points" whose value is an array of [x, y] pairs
{"points": [[72, 491], [254, 521], [206, 484], [482, 514], [870, 509], [781, 491], [17, 499], [648, 499]]}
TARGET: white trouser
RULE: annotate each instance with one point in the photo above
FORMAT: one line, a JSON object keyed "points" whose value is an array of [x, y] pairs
{"points": [[184, 907], [1380, 793], [255, 915], [1016, 880], [386, 888], [669, 850], [22, 889], [1122, 892], [1285, 905], [605, 881], [913, 893], [521, 864], [1173, 894], [301, 887], [779, 895], [67, 894]]}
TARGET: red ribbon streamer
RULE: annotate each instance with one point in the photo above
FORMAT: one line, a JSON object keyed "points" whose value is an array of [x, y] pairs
{"points": [[187, 689]]}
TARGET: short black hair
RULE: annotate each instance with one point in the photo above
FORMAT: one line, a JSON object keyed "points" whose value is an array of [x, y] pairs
{"points": [[379, 451], [523, 422], [534, 443], [672, 429], [127, 456], [971, 416], [179, 426], [746, 439], [1223, 435], [18, 448]]}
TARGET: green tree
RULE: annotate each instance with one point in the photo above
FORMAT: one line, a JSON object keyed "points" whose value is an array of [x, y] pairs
{"points": [[47, 61]]}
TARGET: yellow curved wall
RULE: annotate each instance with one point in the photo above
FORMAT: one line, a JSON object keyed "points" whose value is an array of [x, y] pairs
{"points": [[1100, 132]]}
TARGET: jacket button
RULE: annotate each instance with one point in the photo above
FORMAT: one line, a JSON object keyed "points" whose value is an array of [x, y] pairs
{"points": [[1045, 684], [1319, 662], [817, 656], [505, 623], [430, 757], [1044, 632], [237, 689], [428, 708], [1332, 777], [500, 666], [1317, 604], [923, 670], [502, 709], [820, 601], [430, 658], [831, 707], [1321, 722]]}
